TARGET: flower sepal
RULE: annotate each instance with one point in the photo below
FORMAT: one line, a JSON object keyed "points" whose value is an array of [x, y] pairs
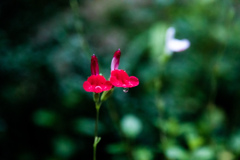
{"points": [[106, 94], [96, 97]]}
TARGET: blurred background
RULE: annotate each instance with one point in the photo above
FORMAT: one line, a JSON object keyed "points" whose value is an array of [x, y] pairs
{"points": [[186, 107]]}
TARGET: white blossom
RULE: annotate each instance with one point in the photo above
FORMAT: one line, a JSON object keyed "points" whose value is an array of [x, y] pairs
{"points": [[175, 45]]}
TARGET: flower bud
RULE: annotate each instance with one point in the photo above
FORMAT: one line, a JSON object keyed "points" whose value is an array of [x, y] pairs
{"points": [[115, 60], [94, 65]]}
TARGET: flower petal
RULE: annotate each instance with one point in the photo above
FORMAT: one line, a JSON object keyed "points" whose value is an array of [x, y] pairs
{"points": [[133, 82], [115, 81], [170, 33], [120, 78], [91, 79], [98, 89], [100, 80], [87, 86], [97, 84], [176, 45], [120, 74], [107, 86]]}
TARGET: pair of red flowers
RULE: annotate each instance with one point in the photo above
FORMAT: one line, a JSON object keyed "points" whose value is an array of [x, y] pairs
{"points": [[118, 78]]}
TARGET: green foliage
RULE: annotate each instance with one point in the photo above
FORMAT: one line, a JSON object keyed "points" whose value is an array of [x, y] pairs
{"points": [[185, 107]]}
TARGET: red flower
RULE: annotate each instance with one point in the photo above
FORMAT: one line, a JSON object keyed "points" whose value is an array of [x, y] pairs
{"points": [[97, 84], [115, 60], [119, 78]]}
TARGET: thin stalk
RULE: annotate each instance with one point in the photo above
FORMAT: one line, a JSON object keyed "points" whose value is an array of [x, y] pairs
{"points": [[96, 138], [96, 122]]}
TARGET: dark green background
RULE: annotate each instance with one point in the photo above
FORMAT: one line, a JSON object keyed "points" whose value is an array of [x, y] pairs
{"points": [[188, 108]]}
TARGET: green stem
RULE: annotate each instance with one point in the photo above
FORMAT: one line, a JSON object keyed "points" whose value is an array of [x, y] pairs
{"points": [[96, 138], [94, 151], [96, 122]]}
